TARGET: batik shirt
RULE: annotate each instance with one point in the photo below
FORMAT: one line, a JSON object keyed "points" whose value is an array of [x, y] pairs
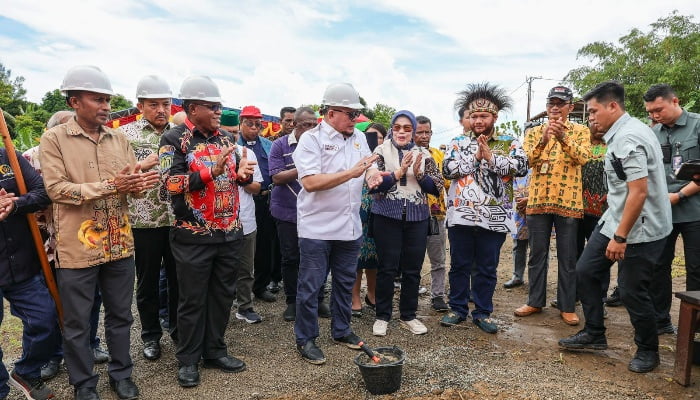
{"points": [[438, 206], [595, 186], [555, 185], [90, 217], [205, 207], [481, 192], [153, 209]]}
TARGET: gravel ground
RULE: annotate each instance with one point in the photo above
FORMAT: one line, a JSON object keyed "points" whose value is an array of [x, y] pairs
{"points": [[522, 361]]}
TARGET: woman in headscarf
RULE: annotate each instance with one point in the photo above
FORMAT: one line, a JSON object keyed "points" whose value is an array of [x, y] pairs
{"points": [[400, 217]]}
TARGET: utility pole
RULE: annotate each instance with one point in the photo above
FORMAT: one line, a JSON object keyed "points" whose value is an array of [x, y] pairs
{"points": [[529, 80]]}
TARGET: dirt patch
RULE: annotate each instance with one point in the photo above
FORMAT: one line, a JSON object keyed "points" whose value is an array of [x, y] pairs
{"points": [[522, 361]]}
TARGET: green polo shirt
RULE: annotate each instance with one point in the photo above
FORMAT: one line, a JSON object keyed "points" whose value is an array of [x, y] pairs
{"points": [[631, 141], [684, 135]]}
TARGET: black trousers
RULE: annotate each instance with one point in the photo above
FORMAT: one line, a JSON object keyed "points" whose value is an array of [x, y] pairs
{"points": [[289, 250], [267, 252], [400, 243], [152, 252], [77, 290], [635, 275], [662, 285], [206, 280]]}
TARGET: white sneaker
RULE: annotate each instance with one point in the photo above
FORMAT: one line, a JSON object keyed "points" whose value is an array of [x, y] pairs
{"points": [[422, 290], [379, 328], [416, 327]]}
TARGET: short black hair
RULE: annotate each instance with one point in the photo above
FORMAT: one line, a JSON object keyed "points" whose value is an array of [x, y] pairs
{"points": [[461, 111], [663, 90], [422, 119], [287, 109], [186, 106], [606, 92], [71, 93]]}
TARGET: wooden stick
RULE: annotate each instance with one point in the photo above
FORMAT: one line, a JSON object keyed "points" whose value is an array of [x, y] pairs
{"points": [[33, 226]]}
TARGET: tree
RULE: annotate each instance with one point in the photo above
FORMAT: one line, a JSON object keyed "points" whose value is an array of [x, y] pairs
{"points": [[11, 92], [54, 101], [119, 102], [668, 53], [382, 113], [511, 128]]}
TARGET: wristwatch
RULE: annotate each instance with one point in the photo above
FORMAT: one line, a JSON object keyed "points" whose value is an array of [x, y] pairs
{"points": [[619, 239], [681, 196]]}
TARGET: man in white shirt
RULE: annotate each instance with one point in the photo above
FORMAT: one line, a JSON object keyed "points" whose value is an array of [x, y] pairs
{"points": [[244, 277], [331, 160]]}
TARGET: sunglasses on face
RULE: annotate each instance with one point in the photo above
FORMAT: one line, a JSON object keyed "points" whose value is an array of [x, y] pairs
{"points": [[399, 128], [559, 105], [252, 124], [212, 107], [351, 114]]}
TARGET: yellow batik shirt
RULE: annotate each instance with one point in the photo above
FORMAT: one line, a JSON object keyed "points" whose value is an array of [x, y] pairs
{"points": [[555, 185], [438, 206]]}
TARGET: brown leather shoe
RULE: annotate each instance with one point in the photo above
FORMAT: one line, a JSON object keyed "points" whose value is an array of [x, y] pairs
{"points": [[570, 318], [526, 310]]}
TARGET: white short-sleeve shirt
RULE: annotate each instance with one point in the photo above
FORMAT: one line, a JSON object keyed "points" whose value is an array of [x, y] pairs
{"points": [[332, 214], [247, 210]]}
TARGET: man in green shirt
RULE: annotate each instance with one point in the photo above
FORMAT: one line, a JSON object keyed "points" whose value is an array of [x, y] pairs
{"points": [[631, 232], [678, 132]]}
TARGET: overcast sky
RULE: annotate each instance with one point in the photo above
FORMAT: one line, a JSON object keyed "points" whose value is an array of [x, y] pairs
{"points": [[408, 54]]}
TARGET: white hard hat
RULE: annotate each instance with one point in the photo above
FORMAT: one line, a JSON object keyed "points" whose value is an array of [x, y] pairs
{"points": [[88, 78], [342, 95], [200, 88], [153, 87]]}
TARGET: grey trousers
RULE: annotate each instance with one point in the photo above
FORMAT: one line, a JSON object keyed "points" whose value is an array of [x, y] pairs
{"points": [[540, 230], [77, 291], [436, 253], [244, 275], [520, 258]]}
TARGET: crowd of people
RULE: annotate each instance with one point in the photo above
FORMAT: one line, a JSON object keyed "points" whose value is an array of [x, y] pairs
{"points": [[203, 211]]}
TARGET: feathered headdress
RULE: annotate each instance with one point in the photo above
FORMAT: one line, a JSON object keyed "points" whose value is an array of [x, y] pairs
{"points": [[483, 97]]}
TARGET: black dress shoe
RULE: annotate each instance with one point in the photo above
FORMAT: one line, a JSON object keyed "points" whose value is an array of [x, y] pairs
{"points": [[225, 363], [274, 287], [50, 369], [644, 361], [86, 393], [311, 353], [126, 389], [290, 313], [151, 350], [584, 340], [100, 354], [324, 310], [514, 282], [614, 299], [188, 375], [266, 296]]}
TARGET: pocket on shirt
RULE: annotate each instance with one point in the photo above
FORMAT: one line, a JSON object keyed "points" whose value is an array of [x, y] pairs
{"points": [[690, 149]]}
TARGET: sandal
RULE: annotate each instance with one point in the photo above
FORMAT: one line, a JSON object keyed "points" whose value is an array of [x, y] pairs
{"points": [[357, 313]]}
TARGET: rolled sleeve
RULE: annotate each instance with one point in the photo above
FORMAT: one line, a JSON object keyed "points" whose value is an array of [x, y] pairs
{"points": [[635, 165]]}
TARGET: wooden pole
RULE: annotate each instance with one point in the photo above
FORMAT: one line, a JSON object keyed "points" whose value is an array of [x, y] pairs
{"points": [[33, 226]]}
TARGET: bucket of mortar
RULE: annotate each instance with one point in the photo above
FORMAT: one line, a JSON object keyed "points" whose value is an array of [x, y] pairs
{"points": [[383, 377]]}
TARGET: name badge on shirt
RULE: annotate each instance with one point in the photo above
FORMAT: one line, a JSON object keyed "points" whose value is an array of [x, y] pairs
{"points": [[331, 147], [544, 168], [357, 145]]}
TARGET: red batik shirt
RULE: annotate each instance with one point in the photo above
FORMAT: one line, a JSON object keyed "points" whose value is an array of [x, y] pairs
{"points": [[205, 208]]}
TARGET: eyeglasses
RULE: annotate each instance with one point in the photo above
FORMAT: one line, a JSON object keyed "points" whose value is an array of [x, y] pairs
{"points": [[558, 105], [351, 114], [406, 128], [424, 133], [213, 107], [252, 124]]}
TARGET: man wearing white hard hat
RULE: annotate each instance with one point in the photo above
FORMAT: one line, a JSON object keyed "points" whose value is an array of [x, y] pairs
{"points": [[331, 160], [202, 173], [89, 171], [151, 215]]}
